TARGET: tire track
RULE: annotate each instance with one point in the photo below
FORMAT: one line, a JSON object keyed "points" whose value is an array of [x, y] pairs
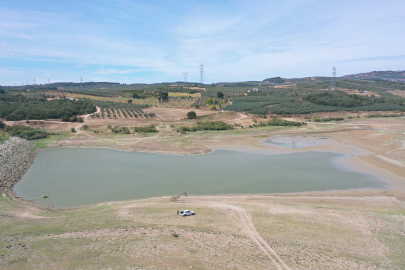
{"points": [[245, 222]]}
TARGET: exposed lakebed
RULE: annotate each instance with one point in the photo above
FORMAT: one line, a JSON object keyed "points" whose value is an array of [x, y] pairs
{"points": [[81, 176], [296, 141]]}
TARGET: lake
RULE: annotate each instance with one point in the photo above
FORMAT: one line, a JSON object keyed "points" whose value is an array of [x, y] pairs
{"points": [[81, 176]]}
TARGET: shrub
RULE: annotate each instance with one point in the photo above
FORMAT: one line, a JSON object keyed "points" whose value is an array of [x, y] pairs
{"points": [[328, 119], [73, 119], [279, 122], [208, 125], [213, 107], [191, 115], [65, 118], [150, 128], [73, 129], [25, 132]]}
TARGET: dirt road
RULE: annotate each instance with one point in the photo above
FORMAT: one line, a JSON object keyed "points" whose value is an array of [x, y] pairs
{"points": [[244, 220]]}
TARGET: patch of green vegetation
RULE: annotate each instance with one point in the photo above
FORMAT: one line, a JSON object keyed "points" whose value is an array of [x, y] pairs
{"points": [[328, 119], [123, 130], [148, 129], [207, 125], [312, 98], [19, 107], [384, 115], [109, 108], [282, 123], [25, 132]]}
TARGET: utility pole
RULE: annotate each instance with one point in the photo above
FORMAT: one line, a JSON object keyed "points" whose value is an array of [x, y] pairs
{"points": [[333, 84], [202, 74]]}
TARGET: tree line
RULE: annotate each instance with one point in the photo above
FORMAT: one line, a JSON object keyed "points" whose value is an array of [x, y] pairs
{"points": [[18, 107]]}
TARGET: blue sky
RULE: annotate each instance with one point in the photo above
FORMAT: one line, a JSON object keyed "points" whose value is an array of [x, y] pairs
{"points": [[156, 41]]}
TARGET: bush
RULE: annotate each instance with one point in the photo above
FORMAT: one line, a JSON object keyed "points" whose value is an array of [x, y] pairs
{"points": [[2, 125], [328, 119], [191, 115], [208, 125], [150, 128], [220, 95], [209, 101], [65, 118], [129, 100], [163, 96], [73, 130], [85, 127], [279, 122], [25, 132], [213, 107]]}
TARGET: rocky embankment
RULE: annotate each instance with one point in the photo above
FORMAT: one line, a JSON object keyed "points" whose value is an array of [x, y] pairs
{"points": [[16, 156]]}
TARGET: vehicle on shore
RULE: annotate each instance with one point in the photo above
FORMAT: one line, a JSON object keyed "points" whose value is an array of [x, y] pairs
{"points": [[184, 213]]}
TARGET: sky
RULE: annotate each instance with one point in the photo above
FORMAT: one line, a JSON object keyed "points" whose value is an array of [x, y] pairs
{"points": [[157, 41]]}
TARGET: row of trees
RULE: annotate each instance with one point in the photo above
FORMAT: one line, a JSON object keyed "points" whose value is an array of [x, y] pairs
{"points": [[128, 110], [295, 102], [341, 99]]}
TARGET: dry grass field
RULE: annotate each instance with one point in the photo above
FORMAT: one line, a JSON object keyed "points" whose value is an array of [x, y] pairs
{"points": [[306, 231]]}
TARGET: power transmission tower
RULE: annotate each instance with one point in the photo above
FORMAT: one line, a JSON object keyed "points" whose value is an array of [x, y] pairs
{"points": [[34, 80], [49, 82], [333, 84], [185, 76], [81, 79], [202, 73]]}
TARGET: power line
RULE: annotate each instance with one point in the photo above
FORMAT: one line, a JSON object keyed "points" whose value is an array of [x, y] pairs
{"points": [[202, 74]]}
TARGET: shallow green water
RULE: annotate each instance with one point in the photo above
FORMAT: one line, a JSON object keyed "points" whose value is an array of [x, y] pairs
{"points": [[80, 176]]}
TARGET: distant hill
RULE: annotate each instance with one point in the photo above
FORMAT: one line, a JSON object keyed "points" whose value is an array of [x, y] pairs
{"points": [[397, 76], [274, 80]]}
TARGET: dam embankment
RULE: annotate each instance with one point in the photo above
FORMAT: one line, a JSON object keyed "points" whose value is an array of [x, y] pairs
{"points": [[16, 156]]}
